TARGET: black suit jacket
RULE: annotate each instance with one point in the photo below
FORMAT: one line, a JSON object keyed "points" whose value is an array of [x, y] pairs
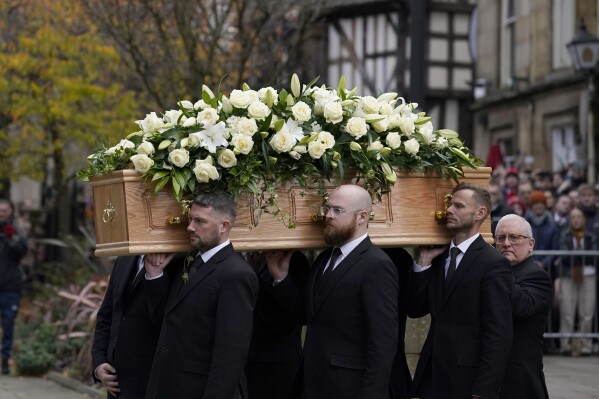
{"points": [[206, 330], [470, 336], [125, 335], [531, 302], [401, 378], [276, 347], [352, 331]]}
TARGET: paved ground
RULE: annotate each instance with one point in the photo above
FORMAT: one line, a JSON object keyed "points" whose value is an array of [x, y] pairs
{"points": [[567, 378]]}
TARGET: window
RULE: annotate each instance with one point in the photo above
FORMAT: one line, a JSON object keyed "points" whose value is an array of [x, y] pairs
{"points": [[508, 42], [562, 32]]}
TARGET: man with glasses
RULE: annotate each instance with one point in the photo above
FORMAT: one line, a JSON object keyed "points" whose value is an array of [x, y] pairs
{"points": [[466, 290], [531, 303], [351, 305]]}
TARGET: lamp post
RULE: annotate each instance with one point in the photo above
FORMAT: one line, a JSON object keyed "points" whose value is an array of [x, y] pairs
{"points": [[584, 51]]}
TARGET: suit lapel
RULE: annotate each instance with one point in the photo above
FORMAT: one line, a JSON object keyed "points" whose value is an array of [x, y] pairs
{"points": [[466, 263], [340, 271], [180, 290], [124, 272]]}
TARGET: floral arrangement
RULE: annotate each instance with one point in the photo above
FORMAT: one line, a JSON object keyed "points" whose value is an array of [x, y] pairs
{"points": [[252, 141]]}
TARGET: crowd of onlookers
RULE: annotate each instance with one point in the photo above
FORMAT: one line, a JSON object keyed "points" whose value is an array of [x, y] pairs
{"points": [[562, 209]]}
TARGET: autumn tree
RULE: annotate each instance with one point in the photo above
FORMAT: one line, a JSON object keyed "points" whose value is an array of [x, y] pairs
{"points": [[60, 93], [175, 46]]}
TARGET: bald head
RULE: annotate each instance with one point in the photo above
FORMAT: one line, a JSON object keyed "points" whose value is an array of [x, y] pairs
{"points": [[355, 195]]}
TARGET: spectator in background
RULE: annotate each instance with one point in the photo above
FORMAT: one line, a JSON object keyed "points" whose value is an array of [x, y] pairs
{"points": [[576, 174], [524, 190], [561, 210], [499, 206], [577, 288], [13, 246], [517, 205], [512, 179], [542, 181], [575, 195], [550, 200], [588, 205], [544, 230], [559, 184]]}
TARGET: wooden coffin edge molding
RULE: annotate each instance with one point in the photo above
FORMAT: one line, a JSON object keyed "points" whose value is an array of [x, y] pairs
{"points": [[130, 218]]}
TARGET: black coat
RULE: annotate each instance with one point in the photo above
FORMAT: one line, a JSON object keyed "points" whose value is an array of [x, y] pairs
{"points": [[352, 329], [531, 303], [125, 335], [470, 335], [206, 330], [276, 348]]}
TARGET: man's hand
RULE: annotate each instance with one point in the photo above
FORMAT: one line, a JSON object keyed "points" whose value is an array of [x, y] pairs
{"points": [[107, 374], [277, 263], [155, 263], [427, 254]]}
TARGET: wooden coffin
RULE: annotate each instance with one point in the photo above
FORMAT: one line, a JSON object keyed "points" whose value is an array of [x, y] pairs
{"points": [[131, 219]]}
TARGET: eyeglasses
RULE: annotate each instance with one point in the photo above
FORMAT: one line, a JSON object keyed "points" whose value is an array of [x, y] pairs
{"points": [[336, 211], [513, 238]]}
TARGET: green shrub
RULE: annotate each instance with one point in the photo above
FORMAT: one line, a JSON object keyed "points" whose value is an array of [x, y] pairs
{"points": [[35, 355]]}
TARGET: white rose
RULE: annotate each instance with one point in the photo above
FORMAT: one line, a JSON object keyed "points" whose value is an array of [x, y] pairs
{"points": [[172, 116], [381, 126], [406, 124], [316, 149], [200, 104], [411, 146], [333, 112], [426, 131], [326, 139], [393, 140], [253, 95], [301, 149], [240, 99], [145, 148], [370, 105], [242, 143], [123, 144], [258, 110], [179, 157], [194, 140], [208, 116], [186, 104], [282, 142], [375, 146], [205, 171], [142, 162], [247, 126], [273, 94], [189, 122], [151, 123], [356, 127], [227, 159], [301, 111]]}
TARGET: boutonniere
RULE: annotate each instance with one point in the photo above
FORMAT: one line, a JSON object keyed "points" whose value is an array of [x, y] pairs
{"points": [[186, 265]]}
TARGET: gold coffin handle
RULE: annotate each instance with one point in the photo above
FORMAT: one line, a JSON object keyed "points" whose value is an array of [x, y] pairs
{"points": [[441, 216], [185, 205], [108, 213]]}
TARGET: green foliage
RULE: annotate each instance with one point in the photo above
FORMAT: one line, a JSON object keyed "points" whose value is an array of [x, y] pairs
{"points": [[59, 86], [36, 356]]}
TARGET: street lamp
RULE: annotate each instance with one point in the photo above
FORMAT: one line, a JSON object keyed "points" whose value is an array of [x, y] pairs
{"points": [[584, 51]]}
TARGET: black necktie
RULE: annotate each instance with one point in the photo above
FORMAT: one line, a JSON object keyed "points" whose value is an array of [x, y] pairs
{"points": [[334, 256], [452, 264], [197, 263]]}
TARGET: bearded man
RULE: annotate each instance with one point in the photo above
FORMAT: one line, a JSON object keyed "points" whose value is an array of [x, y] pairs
{"points": [[351, 304], [206, 310]]}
